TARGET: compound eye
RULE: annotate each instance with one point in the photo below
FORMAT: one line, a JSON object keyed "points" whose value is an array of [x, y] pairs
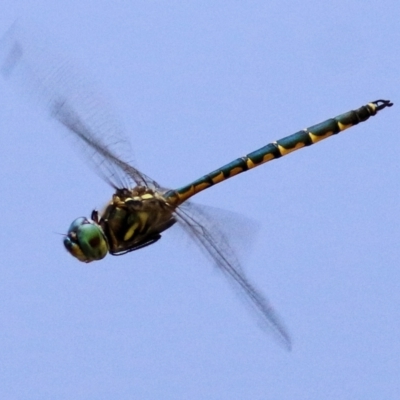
{"points": [[86, 241]]}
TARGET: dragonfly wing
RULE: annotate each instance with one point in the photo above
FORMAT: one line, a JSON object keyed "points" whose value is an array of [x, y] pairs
{"points": [[203, 229], [73, 101]]}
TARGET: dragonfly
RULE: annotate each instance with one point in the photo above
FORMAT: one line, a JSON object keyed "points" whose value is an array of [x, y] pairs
{"points": [[140, 209]]}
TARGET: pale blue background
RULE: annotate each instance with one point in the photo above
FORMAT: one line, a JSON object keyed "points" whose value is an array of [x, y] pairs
{"points": [[197, 84]]}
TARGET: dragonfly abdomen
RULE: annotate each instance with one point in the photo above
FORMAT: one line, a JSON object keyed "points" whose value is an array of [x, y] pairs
{"points": [[281, 147]]}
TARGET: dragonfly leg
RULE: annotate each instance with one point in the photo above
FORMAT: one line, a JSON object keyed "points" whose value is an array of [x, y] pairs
{"points": [[138, 246]]}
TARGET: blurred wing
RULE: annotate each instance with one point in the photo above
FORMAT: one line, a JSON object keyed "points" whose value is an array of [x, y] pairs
{"points": [[201, 226], [72, 101]]}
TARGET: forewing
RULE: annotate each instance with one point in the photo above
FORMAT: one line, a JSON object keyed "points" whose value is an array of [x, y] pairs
{"points": [[208, 234], [48, 78]]}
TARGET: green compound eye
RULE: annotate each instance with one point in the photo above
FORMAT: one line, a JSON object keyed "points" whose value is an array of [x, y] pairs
{"points": [[86, 241]]}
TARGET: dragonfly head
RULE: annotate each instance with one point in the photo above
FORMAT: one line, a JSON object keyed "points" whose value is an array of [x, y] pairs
{"points": [[86, 241]]}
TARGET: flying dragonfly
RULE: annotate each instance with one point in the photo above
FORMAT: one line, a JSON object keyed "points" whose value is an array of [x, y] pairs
{"points": [[140, 210]]}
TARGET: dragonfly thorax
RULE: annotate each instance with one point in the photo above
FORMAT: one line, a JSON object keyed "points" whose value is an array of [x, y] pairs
{"points": [[134, 218]]}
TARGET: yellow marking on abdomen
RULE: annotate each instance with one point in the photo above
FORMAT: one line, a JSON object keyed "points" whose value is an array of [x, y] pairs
{"points": [[268, 157], [342, 127], [284, 151], [317, 138], [235, 171], [181, 197], [201, 186], [250, 164], [219, 178]]}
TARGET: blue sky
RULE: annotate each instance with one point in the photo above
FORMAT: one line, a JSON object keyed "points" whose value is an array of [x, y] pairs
{"points": [[196, 85]]}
